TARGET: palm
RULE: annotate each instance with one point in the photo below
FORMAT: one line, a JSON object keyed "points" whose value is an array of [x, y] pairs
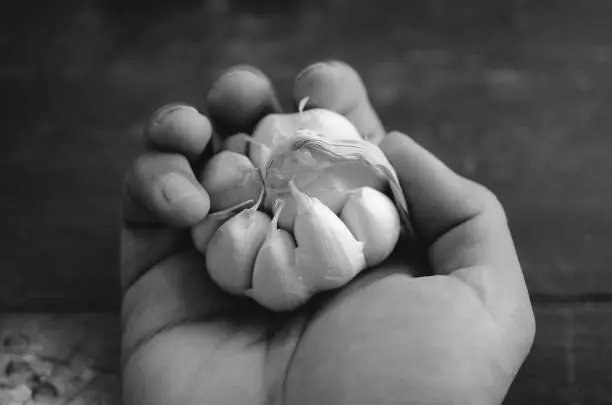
{"points": [[329, 349]]}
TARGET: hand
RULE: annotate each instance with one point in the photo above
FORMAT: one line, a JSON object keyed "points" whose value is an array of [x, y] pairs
{"points": [[458, 336]]}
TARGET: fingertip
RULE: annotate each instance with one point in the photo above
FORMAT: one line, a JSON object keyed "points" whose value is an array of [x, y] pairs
{"points": [[183, 202], [410, 160], [336, 86], [239, 99], [392, 142], [330, 84], [180, 128], [163, 186]]}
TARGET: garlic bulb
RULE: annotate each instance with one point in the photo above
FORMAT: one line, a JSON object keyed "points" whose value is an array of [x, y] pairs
{"points": [[323, 185]]}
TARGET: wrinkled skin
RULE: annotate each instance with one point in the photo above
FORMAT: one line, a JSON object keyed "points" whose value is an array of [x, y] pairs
{"points": [[455, 337]]}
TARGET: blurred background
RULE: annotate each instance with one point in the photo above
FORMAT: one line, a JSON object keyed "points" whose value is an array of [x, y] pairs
{"points": [[515, 94]]}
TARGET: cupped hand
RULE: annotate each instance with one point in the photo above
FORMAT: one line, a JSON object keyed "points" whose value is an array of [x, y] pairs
{"points": [[456, 336]]}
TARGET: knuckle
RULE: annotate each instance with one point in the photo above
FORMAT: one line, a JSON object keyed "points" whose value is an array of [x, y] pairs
{"points": [[489, 202]]}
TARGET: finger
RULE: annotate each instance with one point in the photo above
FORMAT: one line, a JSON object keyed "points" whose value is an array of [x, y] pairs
{"points": [[178, 128], [338, 87], [239, 99], [442, 203], [162, 188], [466, 228], [439, 199]]}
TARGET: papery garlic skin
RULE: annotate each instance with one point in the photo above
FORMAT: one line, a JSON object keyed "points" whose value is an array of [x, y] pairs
{"points": [[372, 218], [327, 254], [276, 283], [231, 253], [275, 129], [329, 124], [230, 179], [319, 177], [326, 160]]}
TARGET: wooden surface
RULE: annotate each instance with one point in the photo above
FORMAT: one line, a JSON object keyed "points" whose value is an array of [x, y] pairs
{"points": [[570, 364], [571, 361], [59, 359]]}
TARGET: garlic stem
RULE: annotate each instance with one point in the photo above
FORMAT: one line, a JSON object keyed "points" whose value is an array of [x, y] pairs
{"points": [[302, 106]]}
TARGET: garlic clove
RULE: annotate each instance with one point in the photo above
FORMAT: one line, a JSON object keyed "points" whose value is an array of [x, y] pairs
{"points": [[287, 216], [329, 191], [238, 143], [276, 285], [202, 232], [231, 253], [230, 179], [328, 255], [270, 132], [372, 218]]}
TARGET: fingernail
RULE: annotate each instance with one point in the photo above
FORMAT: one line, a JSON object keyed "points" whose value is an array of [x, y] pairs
{"points": [[241, 69], [326, 67], [176, 188], [330, 84]]}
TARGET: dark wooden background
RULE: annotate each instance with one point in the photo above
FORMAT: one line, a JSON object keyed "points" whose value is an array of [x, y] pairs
{"points": [[515, 94]]}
